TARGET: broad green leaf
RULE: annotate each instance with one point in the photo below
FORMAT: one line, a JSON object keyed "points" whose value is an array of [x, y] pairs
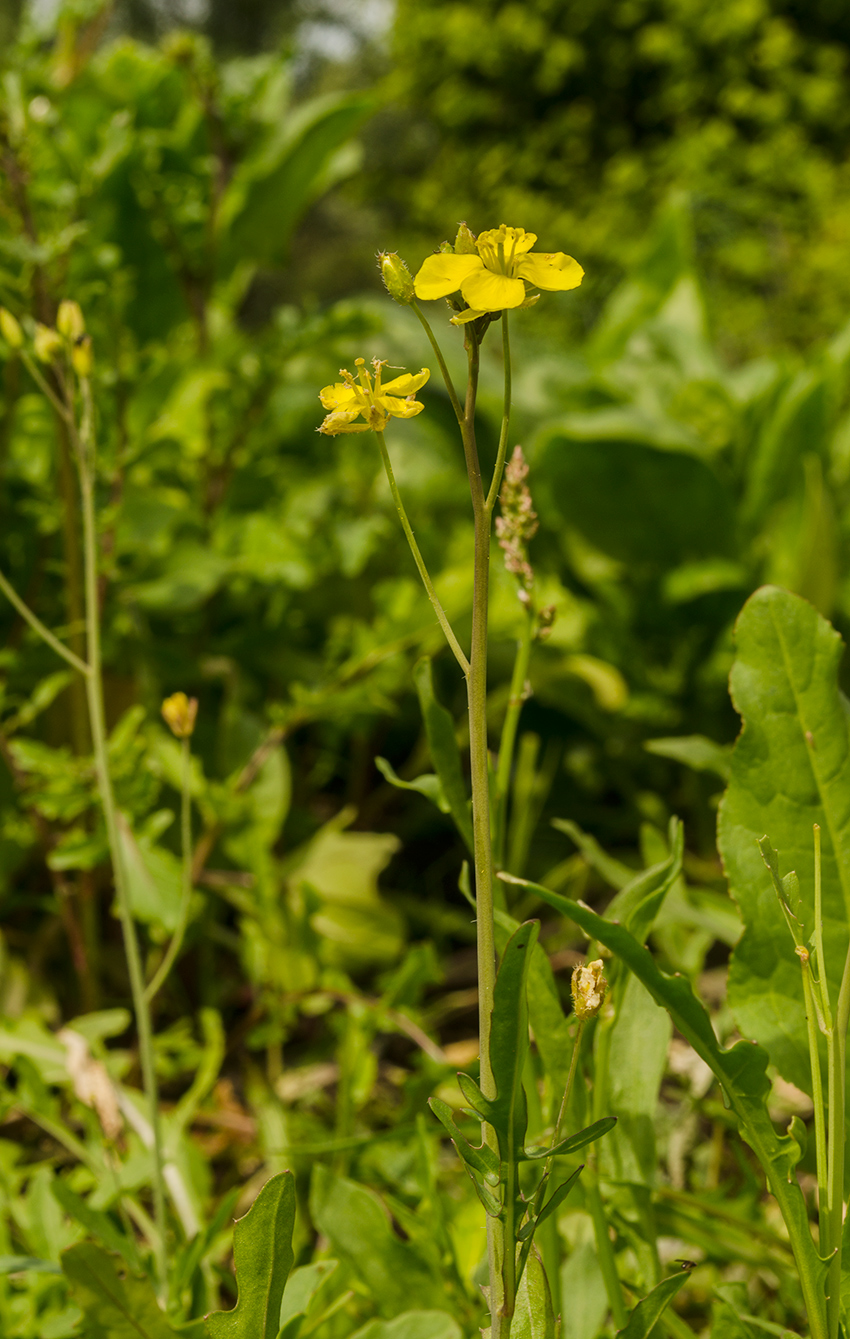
{"points": [[640, 1036], [585, 1298], [359, 1230], [412, 1325], [509, 1041], [262, 1254], [740, 1069], [534, 1317], [695, 751], [154, 878], [302, 1287], [116, 1306], [790, 769], [97, 1224], [648, 1312], [445, 754], [428, 784]]}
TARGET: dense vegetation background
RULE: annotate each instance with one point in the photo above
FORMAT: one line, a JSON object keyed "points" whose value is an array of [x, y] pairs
{"points": [[211, 182]]}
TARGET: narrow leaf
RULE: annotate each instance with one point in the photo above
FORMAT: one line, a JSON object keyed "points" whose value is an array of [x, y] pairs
{"points": [[576, 1141], [509, 1041], [445, 754], [97, 1224], [428, 784], [115, 1306], [262, 1253], [648, 1312], [483, 1159]]}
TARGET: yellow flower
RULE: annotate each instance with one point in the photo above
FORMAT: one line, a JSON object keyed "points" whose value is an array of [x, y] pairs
{"points": [[349, 399], [499, 275], [179, 713]]}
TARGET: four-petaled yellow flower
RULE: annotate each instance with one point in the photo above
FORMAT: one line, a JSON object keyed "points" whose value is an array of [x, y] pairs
{"points": [[350, 398], [499, 276]]}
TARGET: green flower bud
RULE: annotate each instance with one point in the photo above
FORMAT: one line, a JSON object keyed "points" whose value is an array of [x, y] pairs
{"points": [[69, 321], [397, 278], [465, 242], [10, 330], [588, 987]]}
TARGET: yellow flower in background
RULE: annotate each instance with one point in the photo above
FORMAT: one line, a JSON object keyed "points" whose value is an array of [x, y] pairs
{"points": [[350, 399], [498, 277]]}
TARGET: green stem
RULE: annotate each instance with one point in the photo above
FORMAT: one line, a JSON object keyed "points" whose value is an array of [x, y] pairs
{"points": [[419, 560], [161, 974], [438, 353], [509, 731], [837, 1050], [496, 481], [820, 1110], [565, 1100], [97, 721], [822, 983], [36, 624]]}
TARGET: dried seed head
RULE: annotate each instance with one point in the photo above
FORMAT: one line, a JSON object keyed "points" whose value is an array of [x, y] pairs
{"points": [[588, 987]]}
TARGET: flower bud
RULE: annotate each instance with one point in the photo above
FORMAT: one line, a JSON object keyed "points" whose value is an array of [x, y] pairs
{"points": [[588, 987], [179, 712], [10, 330], [81, 356], [47, 343], [397, 278], [465, 242], [69, 321]]}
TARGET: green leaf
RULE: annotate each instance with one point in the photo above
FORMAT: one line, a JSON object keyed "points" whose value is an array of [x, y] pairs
{"points": [[612, 871], [483, 1160], [509, 1041], [637, 1058], [412, 1325], [557, 1198], [445, 754], [648, 1312], [97, 1224], [116, 1306], [741, 1070], [583, 1284], [695, 751], [575, 1141], [359, 1230], [638, 903], [428, 785], [19, 1264], [534, 1317], [262, 1254], [302, 1287], [790, 769]]}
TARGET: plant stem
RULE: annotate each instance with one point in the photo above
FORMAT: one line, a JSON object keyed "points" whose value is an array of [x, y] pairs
{"points": [[36, 624], [175, 945], [438, 354], [604, 1249], [97, 719], [496, 481], [837, 1050], [817, 1099], [419, 560], [509, 731], [565, 1100]]}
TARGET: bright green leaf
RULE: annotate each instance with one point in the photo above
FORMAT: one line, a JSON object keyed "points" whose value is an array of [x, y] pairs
{"points": [[262, 1253]]}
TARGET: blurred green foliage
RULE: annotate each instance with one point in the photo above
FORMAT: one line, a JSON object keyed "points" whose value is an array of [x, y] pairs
{"points": [[325, 988]]}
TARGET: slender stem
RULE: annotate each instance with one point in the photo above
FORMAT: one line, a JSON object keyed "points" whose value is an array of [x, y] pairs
{"points": [[822, 983], [44, 386], [565, 1100], [509, 731], [817, 1098], [97, 720], [36, 624], [496, 481], [176, 943], [419, 560], [438, 354], [837, 1048]]}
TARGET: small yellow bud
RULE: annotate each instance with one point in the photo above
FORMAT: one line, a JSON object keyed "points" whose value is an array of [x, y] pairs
{"points": [[81, 356], [69, 321], [397, 278], [179, 713], [10, 330], [47, 343], [465, 242], [588, 987]]}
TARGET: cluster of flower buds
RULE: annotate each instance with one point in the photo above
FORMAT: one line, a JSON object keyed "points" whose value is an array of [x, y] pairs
{"points": [[49, 343], [517, 523], [588, 988], [179, 713]]}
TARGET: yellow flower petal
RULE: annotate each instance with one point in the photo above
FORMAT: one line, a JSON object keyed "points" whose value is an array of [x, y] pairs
{"points": [[463, 318], [338, 396], [515, 240], [443, 274], [551, 270], [489, 292], [401, 408], [341, 421], [407, 383]]}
